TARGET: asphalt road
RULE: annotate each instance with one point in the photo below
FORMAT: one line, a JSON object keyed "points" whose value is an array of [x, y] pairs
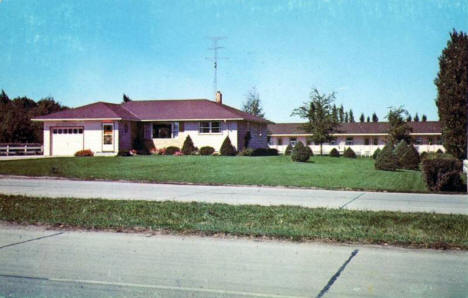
{"points": [[38, 262], [356, 200]]}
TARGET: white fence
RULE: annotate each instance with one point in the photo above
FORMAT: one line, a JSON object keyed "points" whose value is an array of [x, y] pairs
{"points": [[21, 149]]}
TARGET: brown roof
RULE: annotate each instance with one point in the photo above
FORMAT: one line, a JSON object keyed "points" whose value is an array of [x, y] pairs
{"points": [[146, 110], [189, 109], [356, 128], [98, 110]]}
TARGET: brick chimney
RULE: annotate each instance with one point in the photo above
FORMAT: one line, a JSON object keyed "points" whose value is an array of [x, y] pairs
{"points": [[219, 97]]}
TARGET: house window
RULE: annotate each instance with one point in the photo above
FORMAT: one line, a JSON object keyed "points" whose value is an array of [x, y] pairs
{"points": [[418, 141], [439, 141], [430, 141], [108, 133], [349, 141], [162, 131], [210, 127], [269, 140], [376, 141], [292, 141], [332, 142], [366, 141], [280, 141]]}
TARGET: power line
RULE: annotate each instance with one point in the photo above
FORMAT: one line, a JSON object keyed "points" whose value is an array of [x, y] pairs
{"points": [[214, 59]]}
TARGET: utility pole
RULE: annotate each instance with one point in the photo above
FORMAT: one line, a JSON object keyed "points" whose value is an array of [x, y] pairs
{"points": [[214, 59]]}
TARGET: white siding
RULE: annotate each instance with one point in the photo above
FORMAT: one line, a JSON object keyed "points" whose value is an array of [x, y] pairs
{"points": [[215, 140], [92, 135]]}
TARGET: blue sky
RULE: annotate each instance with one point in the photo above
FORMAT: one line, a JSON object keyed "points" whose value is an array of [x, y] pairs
{"points": [[374, 54]]}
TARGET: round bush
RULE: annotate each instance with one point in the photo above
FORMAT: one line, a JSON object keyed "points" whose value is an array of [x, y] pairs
{"points": [[386, 160], [334, 153], [171, 150], [311, 153], [300, 153], [349, 153], [207, 150]]}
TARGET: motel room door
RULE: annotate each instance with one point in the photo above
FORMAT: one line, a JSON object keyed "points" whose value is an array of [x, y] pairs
{"points": [[108, 137]]}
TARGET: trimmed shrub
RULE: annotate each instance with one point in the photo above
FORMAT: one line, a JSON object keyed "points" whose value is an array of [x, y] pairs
{"points": [[311, 153], [246, 152], [376, 153], [349, 153], [409, 159], [207, 150], [400, 148], [300, 153], [386, 160], [171, 150], [443, 174], [334, 153], [227, 149], [264, 152], [288, 150], [84, 153], [188, 148]]}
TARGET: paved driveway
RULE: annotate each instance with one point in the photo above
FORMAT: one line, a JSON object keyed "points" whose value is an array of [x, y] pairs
{"points": [[237, 195]]}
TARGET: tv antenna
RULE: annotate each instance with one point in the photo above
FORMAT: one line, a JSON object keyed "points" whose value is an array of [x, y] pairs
{"points": [[214, 59]]}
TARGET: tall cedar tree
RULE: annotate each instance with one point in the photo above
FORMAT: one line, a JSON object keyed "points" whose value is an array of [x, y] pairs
{"points": [[416, 118], [368, 119], [252, 105], [452, 93], [351, 116], [424, 118], [320, 121], [409, 118], [375, 118], [125, 98], [361, 118], [341, 114], [399, 129]]}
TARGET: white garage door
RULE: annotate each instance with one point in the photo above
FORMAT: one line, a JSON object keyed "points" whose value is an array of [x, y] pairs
{"points": [[67, 140]]}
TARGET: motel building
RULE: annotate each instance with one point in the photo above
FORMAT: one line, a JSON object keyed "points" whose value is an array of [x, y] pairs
{"points": [[362, 137]]}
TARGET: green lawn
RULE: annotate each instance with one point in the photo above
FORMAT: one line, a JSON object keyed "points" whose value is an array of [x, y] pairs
{"points": [[320, 171], [280, 222]]}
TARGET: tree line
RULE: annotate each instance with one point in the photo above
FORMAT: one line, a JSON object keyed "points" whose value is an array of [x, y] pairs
{"points": [[15, 118]]}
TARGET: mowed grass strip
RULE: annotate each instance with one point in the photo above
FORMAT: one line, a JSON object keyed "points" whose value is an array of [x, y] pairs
{"points": [[279, 222], [319, 171]]}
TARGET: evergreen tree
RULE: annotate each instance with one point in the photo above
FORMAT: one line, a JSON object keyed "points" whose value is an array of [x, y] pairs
{"points": [[399, 129], [361, 118], [416, 118], [452, 93], [409, 118], [375, 118], [424, 118], [346, 117], [351, 116], [318, 112], [253, 105], [368, 119], [188, 148], [341, 114], [125, 98], [335, 113]]}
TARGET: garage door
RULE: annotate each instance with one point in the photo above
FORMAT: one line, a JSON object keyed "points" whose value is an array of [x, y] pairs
{"points": [[66, 140]]}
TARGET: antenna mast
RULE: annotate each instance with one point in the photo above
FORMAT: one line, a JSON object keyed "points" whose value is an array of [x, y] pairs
{"points": [[214, 59]]}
